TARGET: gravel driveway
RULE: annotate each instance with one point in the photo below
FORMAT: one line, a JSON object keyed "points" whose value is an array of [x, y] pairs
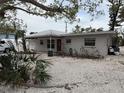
{"points": [[72, 75]]}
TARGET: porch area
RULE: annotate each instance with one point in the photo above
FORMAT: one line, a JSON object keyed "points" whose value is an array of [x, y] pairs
{"points": [[46, 44], [50, 40]]}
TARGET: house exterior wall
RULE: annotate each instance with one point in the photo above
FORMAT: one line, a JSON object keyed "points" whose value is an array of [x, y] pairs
{"points": [[77, 44], [35, 44]]}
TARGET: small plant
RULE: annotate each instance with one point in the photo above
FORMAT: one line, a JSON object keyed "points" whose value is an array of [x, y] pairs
{"points": [[84, 52], [70, 52], [76, 53], [40, 72], [15, 69]]}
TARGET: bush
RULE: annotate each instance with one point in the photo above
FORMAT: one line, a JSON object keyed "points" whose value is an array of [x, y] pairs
{"points": [[40, 72], [16, 69]]}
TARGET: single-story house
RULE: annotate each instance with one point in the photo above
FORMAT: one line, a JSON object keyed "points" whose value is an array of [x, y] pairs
{"points": [[90, 43]]}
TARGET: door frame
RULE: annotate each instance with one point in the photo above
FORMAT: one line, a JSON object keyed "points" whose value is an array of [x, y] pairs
{"points": [[59, 45]]}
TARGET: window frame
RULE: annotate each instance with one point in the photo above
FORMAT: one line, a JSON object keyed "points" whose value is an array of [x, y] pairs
{"points": [[91, 42], [52, 44], [68, 41], [41, 42]]}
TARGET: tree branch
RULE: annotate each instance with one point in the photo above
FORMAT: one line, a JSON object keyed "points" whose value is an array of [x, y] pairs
{"points": [[61, 4], [33, 13], [46, 8], [34, 2], [49, 10], [30, 12]]}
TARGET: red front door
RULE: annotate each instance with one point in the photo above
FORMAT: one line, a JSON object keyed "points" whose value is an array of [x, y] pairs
{"points": [[58, 44]]}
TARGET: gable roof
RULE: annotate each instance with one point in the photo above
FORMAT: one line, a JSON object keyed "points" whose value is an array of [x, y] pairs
{"points": [[55, 33]]}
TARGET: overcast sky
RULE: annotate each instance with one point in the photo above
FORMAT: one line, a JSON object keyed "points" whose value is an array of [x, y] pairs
{"points": [[37, 24]]}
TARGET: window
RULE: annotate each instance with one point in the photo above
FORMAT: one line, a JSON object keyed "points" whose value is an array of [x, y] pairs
{"points": [[41, 42], [52, 43], [68, 41], [89, 41]]}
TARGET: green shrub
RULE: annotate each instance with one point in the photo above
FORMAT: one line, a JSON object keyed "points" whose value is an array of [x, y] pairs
{"points": [[40, 72], [15, 69]]}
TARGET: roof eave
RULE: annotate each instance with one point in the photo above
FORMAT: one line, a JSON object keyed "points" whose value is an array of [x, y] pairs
{"points": [[35, 37], [71, 35]]}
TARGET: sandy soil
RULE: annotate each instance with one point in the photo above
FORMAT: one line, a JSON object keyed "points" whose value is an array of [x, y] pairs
{"points": [[72, 75]]}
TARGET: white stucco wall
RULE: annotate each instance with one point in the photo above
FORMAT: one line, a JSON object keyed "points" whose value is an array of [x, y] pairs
{"points": [[101, 45], [35, 45]]}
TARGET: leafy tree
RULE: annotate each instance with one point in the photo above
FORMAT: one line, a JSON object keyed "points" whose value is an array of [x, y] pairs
{"points": [[88, 29], [78, 29], [57, 8], [121, 14], [82, 29], [116, 8], [15, 26], [116, 15], [6, 27], [99, 29], [42, 8], [120, 36]]}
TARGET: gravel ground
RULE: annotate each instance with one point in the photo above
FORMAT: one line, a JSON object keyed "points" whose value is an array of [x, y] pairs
{"points": [[72, 75]]}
